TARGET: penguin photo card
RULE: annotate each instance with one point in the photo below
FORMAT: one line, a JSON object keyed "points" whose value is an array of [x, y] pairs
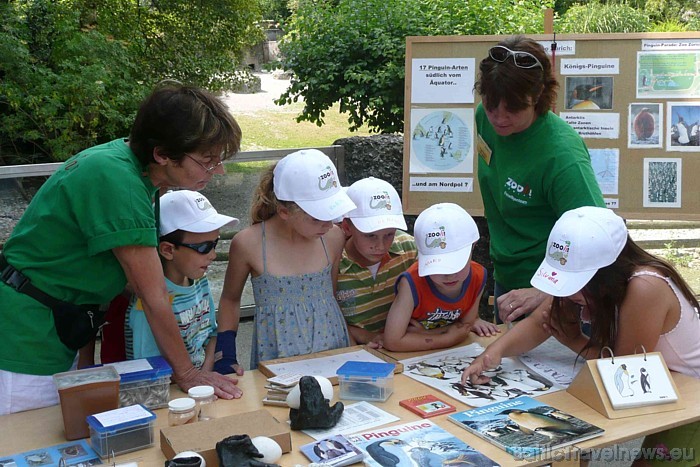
{"points": [[636, 380]]}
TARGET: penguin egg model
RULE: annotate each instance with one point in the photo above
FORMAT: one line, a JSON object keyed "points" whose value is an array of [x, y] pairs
{"points": [[268, 447], [294, 396]]}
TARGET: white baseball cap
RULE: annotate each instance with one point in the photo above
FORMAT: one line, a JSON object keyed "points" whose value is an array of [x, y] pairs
{"points": [[308, 178], [378, 206], [190, 211], [444, 235], [582, 241]]}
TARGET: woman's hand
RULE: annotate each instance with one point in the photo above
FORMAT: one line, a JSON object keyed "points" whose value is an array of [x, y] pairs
{"points": [[484, 362], [519, 302]]}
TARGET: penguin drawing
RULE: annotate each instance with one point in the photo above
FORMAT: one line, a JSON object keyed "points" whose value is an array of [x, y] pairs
{"points": [[622, 381], [644, 380]]}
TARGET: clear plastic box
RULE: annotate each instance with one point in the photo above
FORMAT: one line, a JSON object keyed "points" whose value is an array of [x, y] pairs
{"points": [[366, 381], [144, 381], [121, 430]]}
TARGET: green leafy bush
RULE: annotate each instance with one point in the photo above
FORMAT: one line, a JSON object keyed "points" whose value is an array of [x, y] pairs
{"points": [[596, 17], [353, 51]]}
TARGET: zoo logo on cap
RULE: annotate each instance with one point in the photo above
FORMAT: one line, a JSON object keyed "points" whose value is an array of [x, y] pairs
{"points": [[436, 238], [329, 177], [559, 251], [383, 201]]}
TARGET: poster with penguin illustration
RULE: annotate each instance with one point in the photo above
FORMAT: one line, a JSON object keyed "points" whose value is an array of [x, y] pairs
{"points": [[636, 381]]}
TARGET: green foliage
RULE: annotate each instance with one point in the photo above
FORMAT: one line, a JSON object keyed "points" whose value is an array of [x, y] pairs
{"points": [[596, 17], [668, 26], [72, 72], [62, 89], [275, 10], [676, 256], [352, 52]]}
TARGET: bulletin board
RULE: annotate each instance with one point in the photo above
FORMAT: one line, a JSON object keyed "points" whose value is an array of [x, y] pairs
{"points": [[634, 98]]}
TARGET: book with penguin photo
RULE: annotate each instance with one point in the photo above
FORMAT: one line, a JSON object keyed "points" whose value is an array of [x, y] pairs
{"points": [[525, 427], [335, 450], [636, 380], [427, 406], [416, 444]]}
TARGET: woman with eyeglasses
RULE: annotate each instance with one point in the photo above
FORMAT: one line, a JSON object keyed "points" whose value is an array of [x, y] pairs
{"points": [[533, 167], [90, 229]]}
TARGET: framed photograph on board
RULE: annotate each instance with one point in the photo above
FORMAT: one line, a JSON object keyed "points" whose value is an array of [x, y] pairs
{"points": [[645, 125], [662, 182], [683, 127]]}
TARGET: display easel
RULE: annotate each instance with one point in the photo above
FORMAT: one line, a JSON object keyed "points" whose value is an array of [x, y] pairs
{"points": [[588, 388]]}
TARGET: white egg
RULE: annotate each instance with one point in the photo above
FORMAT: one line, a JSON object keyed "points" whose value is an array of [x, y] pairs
{"points": [[190, 454], [294, 396], [268, 447]]}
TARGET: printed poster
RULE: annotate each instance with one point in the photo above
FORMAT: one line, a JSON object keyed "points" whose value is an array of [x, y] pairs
{"points": [[442, 141]]}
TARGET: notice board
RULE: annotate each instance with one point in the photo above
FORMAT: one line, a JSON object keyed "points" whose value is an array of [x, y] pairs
{"points": [[641, 121]]}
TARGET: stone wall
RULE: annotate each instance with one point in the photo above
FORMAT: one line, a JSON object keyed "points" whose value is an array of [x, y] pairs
{"points": [[381, 156]]}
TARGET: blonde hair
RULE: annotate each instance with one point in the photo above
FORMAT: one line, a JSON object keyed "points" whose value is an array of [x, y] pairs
{"points": [[265, 203]]}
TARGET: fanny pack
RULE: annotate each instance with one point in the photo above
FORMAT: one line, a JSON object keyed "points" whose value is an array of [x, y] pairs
{"points": [[76, 325]]}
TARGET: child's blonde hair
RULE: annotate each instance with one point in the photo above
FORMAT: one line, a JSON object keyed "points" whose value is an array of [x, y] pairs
{"points": [[265, 203]]}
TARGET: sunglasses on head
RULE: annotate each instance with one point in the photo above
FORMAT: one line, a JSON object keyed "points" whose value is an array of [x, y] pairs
{"points": [[202, 248], [521, 59]]}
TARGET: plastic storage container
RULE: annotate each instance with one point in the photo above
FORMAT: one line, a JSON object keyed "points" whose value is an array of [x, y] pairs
{"points": [[366, 381], [145, 381], [86, 392], [121, 430], [182, 411], [204, 398]]}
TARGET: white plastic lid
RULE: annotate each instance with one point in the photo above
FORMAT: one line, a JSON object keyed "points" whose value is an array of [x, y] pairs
{"points": [[201, 391], [182, 404]]}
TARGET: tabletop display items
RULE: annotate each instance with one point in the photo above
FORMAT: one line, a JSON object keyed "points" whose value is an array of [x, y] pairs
{"points": [[335, 450], [427, 406], [278, 388], [241, 451], [309, 404], [416, 444], [524, 426], [636, 380]]}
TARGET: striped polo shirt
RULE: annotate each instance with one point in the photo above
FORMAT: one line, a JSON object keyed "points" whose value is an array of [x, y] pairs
{"points": [[364, 300]]}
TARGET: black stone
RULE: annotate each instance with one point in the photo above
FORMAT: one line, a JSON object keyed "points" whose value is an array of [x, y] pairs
{"points": [[239, 451]]}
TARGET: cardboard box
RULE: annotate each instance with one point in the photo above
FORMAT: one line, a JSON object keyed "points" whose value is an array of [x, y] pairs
{"points": [[202, 437]]}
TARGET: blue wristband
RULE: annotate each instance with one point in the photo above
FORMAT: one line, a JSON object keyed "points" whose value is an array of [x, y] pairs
{"points": [[225, 353]]}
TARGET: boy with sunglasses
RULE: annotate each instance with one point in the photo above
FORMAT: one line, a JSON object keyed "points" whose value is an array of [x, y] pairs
{"points": [[189, 232]]}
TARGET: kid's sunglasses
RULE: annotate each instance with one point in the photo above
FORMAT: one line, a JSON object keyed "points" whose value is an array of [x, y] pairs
{"points": [[202, 248], [521, 59]]}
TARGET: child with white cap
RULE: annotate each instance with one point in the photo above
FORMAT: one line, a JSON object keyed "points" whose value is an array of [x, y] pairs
{"points": [[437, 299], [189, 232], [376, 252], [291, 251], [597, 273]]}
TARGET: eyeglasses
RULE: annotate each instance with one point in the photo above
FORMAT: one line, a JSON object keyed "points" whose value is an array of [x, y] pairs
{"points": [[202, 248], [521, 59], [208, 169]]}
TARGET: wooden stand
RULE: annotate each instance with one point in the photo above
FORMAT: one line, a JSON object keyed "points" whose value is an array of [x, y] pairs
{"points": [[588, 388]]}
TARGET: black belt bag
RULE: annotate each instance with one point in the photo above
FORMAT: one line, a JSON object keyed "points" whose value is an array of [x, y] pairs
{"points": [[76, 325]]}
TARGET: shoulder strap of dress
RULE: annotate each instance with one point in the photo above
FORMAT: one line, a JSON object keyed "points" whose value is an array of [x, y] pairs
{"points": [[649, 273], [264, 252], [325, 250]]}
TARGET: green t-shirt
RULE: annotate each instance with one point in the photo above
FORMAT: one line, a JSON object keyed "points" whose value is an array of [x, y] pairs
{"points": [[98, 200], [532, 178]]}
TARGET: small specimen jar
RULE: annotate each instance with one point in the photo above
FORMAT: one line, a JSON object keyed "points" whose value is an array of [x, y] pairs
{"points": [[204, 397], [181, 411]]}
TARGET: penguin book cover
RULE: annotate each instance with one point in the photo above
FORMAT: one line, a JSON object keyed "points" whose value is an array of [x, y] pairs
{"points": [[636, 381], [427, 406], [335, 450], [525, 427], [416, 444]]}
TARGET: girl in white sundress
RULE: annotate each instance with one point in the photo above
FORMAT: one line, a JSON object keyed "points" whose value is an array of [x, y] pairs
{"points": [[291, 251], [597, 273]]}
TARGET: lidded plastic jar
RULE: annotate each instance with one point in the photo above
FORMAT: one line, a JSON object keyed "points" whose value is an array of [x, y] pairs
{"points": [[181, 411], [204, 397]]}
